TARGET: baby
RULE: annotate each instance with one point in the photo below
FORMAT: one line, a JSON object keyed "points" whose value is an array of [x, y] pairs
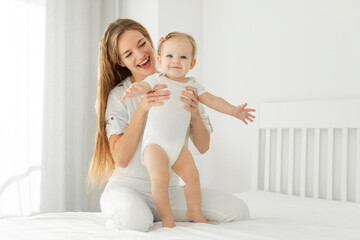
{"points": [[167, 126]]}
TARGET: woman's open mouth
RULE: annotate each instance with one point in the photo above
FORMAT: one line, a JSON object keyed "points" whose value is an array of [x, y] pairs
{"points": [[145, 64]]}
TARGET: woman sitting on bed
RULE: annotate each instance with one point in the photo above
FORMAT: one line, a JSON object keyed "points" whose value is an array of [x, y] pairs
{"points": [[127, 56]]}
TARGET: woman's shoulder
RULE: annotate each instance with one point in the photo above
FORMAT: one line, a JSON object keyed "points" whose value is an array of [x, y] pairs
{"points": [[114, 102], [119, 89]]}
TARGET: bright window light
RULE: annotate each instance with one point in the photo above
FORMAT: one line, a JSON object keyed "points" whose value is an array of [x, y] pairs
{"points": [[22, 45]]}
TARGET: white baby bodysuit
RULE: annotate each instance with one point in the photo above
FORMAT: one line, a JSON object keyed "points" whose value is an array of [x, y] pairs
{"points": [[166, 126]]}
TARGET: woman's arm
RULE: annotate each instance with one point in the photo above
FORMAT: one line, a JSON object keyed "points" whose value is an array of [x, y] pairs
{"points": [[201, 135], [123, 146]]}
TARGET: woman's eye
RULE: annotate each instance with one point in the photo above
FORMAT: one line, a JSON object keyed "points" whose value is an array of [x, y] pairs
{"points": [[169, 56], [142, 44], [128, 55]]}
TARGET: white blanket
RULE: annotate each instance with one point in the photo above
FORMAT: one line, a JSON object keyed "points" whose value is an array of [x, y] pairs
{"points": [[273, 217]]}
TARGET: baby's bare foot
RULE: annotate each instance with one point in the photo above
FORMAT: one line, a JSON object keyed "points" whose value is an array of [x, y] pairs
{"points": [[196, 217], [168, 222]]}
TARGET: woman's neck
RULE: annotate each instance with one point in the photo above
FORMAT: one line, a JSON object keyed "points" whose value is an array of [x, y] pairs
{"points": [[138, 78]]}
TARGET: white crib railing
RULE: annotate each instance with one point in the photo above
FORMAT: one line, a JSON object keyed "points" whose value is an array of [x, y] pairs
{"points": [[19, 195], [310, 149]]}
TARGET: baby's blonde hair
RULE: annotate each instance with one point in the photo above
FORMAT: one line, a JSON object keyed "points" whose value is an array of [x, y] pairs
{"points": [[179, 35]]}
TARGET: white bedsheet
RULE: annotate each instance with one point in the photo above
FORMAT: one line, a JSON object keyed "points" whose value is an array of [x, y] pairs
{"points": [[273, 216]]}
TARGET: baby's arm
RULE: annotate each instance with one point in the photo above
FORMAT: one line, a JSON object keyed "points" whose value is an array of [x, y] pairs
{"points": [[216, 103], [223, 106], [136, 89]]}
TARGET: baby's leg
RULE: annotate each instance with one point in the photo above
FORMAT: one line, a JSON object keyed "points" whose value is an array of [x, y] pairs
{"points": [[185, 167], [157, 163]]}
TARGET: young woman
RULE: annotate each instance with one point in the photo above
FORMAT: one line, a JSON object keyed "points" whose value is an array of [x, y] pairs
{"points": [[127, 56]]}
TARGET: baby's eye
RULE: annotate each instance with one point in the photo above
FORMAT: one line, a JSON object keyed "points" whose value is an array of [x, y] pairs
{"points": [[169, 56], [183, 57]]}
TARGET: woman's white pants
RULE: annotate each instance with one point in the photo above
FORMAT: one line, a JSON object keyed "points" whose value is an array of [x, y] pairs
{"points": [[129, 209]]}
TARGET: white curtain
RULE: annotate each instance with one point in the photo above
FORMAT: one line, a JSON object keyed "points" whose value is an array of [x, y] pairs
{"points": [[22, 36], [73, 31]]}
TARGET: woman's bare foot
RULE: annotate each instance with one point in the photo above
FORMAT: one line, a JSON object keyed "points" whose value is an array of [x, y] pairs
{"points": [[168, 222], [196, 217]]}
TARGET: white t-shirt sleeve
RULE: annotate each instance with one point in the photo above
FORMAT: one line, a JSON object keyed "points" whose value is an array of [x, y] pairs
{"points": [[116, 114], [200, 88], [152, 80]]}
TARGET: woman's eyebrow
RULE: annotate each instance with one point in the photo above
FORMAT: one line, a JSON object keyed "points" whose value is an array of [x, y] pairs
{"points": [[129, 50]]}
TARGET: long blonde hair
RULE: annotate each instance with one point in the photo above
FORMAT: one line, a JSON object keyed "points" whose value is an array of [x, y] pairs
{"points": [[110, 74]]}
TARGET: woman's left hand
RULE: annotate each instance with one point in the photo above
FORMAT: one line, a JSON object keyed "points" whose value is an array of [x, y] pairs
{"points": [[191, 100]]}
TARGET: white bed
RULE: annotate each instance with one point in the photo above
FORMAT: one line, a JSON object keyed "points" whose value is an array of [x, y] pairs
{"points": [[306, 184], [273, 216]]}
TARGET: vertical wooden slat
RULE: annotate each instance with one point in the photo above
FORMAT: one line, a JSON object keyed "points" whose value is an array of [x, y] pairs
{"points": [[358, 165], [255, 168], [303, 162], [317, 163], [30, 181], [20, 195], [344, 163], [291, 162], [329, 192], [267, 160], [278, 160]]}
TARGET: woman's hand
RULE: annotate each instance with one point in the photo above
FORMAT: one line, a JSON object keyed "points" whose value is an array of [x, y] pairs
{"points": [[154, 98], [191, 100]]}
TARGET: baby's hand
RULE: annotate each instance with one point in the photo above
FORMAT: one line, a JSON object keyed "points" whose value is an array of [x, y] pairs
{"points": [[133, 91], [243, 114]]}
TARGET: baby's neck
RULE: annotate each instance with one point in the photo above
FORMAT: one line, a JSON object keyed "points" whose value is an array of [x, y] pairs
{"points": [[179, 79]]}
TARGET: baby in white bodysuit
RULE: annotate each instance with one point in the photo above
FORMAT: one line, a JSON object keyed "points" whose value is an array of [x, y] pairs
{"points": [[166, 127]]}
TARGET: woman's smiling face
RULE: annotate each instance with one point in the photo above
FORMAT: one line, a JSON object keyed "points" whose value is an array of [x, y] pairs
{"points": [[136, 54]]}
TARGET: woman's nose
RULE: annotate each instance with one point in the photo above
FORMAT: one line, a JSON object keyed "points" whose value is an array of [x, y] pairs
{"points": [[139, 54]]}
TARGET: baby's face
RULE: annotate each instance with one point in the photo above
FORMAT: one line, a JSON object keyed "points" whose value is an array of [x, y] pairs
{"points": [[175, 59]]}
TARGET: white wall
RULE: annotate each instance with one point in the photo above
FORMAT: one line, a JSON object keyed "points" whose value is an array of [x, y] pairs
{"points": [[178, 16], [259, 51], [143, 11], [269, 51]]}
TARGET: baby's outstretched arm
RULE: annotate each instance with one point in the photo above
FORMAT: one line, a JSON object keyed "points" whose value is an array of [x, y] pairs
{"points": [[242, 113], [220, 105], [136, 89]]}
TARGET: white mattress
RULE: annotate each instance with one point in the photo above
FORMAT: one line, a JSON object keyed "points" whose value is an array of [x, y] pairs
{"points": [[273, 216]]}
